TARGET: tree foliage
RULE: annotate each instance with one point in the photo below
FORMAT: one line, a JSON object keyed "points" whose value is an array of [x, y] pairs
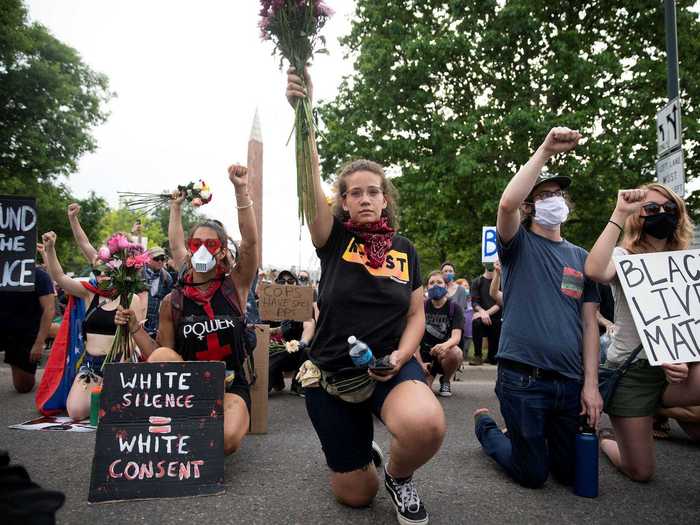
{"points": [[49, 103], [456, 94]]}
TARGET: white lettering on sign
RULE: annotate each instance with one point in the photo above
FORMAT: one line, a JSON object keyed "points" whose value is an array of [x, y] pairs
{"points": [[663, 293], [18, 218]]}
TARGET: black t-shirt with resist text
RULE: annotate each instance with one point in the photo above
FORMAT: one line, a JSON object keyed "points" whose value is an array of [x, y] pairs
{"points": [[355, 299], [439, 323]]}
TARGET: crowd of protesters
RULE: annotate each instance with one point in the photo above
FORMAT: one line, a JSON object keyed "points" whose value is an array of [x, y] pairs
{"points": [[549, 311]]}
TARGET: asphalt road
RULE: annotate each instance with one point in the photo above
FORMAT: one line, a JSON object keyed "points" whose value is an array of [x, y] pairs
{"points": [[281, 477]]}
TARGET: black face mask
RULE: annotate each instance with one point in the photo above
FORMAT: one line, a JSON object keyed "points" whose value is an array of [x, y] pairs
{"points": [[660, 226]]}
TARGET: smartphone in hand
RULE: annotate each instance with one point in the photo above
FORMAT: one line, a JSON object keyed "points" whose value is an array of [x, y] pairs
{"points": [[382, 366]]}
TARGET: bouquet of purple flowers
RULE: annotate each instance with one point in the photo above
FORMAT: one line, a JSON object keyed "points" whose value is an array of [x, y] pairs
{"points": [[294, 26]]}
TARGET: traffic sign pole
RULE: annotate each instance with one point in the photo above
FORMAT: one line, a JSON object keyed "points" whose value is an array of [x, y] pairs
{"points": [[671, 49]]}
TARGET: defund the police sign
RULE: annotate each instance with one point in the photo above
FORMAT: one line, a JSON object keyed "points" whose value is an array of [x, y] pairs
{"points": [[663, 293], [17, 243]]}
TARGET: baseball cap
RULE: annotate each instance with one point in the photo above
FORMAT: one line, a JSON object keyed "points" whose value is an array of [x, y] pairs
{"points": [[156, 252]]}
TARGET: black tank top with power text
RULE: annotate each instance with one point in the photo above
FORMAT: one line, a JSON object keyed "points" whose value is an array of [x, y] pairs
{"points": [[198, 338]]}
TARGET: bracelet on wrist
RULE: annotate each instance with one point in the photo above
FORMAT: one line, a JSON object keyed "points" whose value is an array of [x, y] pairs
{"points": [[245, 206], [616, 224]]}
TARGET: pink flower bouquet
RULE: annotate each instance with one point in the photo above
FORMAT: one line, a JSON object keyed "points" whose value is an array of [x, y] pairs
{"points": [[121, 262], [294, 28]]}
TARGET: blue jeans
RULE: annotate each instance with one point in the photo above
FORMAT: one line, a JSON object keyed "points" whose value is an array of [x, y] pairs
{"points": [[542, 417]]}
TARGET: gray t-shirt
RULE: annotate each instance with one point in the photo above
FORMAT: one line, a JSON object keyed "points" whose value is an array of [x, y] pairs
{"points": [[544, 288], [625, 339]]}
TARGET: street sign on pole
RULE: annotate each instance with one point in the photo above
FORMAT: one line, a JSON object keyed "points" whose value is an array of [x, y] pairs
{"points": [[669, 171], [668, 127]]}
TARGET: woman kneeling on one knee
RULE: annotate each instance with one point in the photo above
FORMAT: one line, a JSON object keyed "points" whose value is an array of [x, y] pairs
{"points": [[211, 289], [370, 288], [653, 219], [98, 327]]}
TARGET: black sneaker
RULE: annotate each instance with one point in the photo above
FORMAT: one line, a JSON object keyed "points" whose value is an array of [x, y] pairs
{"points": [[409, 508], [377, 456], [445, 389]]}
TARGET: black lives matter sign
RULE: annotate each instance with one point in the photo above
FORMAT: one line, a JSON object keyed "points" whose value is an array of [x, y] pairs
{"points": [[18, 218], [160, 433], [663, 293]]}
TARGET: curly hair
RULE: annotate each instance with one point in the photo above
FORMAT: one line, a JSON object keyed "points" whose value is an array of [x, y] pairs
{"points": [[633, 239], [391, 212]]}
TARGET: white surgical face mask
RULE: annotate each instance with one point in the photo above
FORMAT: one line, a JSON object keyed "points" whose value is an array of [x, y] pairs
{"points": [[551, 212], [202, 260]]}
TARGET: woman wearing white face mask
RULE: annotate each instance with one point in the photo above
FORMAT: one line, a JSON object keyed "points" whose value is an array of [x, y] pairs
{"points": [[203, 319]]}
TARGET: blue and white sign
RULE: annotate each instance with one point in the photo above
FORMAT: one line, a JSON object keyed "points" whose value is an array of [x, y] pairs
{"points": [[489, 251]]}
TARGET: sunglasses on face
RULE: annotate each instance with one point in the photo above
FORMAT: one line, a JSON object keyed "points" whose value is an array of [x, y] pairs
{"points": [[303, 279], [653, 208], [212, 245], [288, 280], [160, 258]]}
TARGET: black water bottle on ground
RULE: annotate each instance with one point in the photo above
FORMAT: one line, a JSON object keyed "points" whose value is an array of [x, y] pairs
{"points": [[586, 481]]}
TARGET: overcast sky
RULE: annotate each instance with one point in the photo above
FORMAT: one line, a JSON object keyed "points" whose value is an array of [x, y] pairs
{"points": [[188, 77]]}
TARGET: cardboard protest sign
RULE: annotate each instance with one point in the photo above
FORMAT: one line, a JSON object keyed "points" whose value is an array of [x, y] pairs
{"points": [[663, 293], [489, 251], [161, 431], [281, 302], [17, 243]]}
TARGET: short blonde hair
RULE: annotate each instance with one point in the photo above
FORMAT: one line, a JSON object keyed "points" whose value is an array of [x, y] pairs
{"points": [[633, 240]]}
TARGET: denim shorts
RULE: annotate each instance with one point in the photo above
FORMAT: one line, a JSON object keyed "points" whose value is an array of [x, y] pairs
{"points": [[346, 429]]}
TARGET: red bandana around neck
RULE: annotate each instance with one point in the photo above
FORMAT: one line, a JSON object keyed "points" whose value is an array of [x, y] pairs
{"points": [[376, 237], [203, 297], [108, 292]]}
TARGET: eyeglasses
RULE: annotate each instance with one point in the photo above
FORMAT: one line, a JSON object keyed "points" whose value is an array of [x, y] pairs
{"points": [[547, 194], [654, 208], [373, 192], [289, 280], [212, 245]]}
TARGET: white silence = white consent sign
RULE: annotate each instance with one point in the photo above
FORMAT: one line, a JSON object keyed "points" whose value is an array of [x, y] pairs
{"points": [[663, 293]]}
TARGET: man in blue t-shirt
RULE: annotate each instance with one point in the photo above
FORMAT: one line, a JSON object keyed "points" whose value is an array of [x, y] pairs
{"points": [[548, 352]]}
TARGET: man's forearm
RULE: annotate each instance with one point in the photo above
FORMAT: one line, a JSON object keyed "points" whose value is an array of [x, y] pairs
{"points": [[591, 352], [521, 185], [44, 327]]}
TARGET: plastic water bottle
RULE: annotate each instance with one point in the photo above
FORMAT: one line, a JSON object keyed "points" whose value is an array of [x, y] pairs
{"points": [[95, 393], [360, 353], [586, 481]]}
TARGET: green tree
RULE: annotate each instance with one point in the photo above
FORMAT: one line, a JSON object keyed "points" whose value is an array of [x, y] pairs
{"points": [[456, 94], [122, 220], [190, 217], [49, 103]]}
